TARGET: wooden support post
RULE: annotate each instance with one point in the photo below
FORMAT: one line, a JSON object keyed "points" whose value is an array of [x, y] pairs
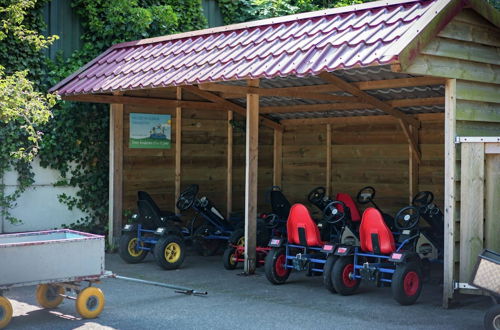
{"points": [[413, 166], [328, 159], [178, 146], [229, 177], [252, 151], [115, 173], [492, 207], [449, 189], [277, 157], [471, 207]]}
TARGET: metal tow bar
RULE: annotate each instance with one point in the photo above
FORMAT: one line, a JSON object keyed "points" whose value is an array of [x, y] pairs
{"points": [[178, 289]]}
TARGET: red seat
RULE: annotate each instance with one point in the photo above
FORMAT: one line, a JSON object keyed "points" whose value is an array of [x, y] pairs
{"points": [[349, 202], [373, 224], [300, 220]]}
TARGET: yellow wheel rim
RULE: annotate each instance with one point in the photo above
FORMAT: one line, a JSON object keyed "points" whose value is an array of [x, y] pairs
{"points": [[172, 252], [132, 248], [5, 312], [241, 241], [49, 295], [232, 259], [90, 302]]}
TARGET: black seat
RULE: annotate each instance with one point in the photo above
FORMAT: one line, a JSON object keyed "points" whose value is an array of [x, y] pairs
{"points": [[144, 196], [149, 216], [279, 204]]}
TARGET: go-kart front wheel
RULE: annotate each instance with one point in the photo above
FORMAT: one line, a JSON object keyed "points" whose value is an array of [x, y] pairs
{"points": [[205, 247], [275, 266], [327, 273], [128, 248], [169, 252], [407, 283], [342, 280], [229, 258]]}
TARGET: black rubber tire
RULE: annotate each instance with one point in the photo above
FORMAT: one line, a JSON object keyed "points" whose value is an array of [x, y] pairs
{"points": [[203, 246], [327, 272], [398, 279], [263, 234], [236, 236], [492, 318], [337, 277], [227, 258], [160, 253], [270, 266], [125, 239]]}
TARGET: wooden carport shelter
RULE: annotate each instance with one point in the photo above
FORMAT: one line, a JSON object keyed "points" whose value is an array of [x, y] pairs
{"points": [[377, 93]]}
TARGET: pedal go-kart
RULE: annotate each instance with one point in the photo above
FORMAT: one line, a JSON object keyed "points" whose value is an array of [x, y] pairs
{"points": [[303, 248], [216, 230], [383, 257], [430, 245], [156, 231], [275, 223]]}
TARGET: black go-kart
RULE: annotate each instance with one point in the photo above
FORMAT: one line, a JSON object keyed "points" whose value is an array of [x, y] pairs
{"points": [[385, 257], [156, 231]]}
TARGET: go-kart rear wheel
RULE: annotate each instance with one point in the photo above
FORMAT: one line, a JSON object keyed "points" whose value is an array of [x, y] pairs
{"points": [[407, 283], [229, 258], [327, 273], [492, 318], [205, 247], [237, 237], [49, 295], [342, 279], [274, 266], [5, 312], [128, 248], [169, 252]]}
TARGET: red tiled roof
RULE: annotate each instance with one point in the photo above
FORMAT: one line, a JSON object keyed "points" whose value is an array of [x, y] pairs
{"points": [[301, 45]]}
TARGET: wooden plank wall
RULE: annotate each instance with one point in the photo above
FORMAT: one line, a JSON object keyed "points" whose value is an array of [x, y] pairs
{"points": [[467, 49], [363, 153]]}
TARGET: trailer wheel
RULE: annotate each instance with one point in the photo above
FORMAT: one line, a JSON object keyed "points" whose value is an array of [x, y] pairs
{"points": [[341, 276], [169, 252], [229, 258], [327, 273], [492, 318], [407, 283], [274, 266], [5, 312], [90, 302], [49, 295], [128, 251]]}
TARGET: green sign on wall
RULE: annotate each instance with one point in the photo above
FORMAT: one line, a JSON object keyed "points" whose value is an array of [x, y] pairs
{"points": [[150, 131]]}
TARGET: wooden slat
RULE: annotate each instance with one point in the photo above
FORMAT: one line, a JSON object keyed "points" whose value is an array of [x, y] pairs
{"points": [[227, 105], [252, 152], [471, 207], [355, 119], [229, 176], [475, 91], [178, 146], [345, 86], [277, 158], [449, 192], [468, 51], [115, 173], [492, 148], [492, 200], [466, 32], [328, 159], [478, 111]]}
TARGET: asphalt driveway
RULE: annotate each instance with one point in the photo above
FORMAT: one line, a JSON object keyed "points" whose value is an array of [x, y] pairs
{"points": [[242, 302]]}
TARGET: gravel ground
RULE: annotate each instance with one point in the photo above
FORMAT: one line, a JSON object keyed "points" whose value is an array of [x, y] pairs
{"points": [[242, 302]]}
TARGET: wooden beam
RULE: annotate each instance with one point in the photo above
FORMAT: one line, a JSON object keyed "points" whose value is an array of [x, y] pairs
{"points": [[230, 106], [413, 164], [367, 98], [178, 146], [357, 119], [277, 158], [229, 174], [471, 207], [115, 173], [328, 159], [142, 101], [412, 140], [449, 191], [251, 170], [284, 92]]}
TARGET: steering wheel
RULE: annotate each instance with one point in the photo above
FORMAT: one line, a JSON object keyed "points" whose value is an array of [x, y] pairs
{"points": [[422, 199], [332, 213], [272, 221], [316, 195], [187, 197], [407, 218], [365, 195]]}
